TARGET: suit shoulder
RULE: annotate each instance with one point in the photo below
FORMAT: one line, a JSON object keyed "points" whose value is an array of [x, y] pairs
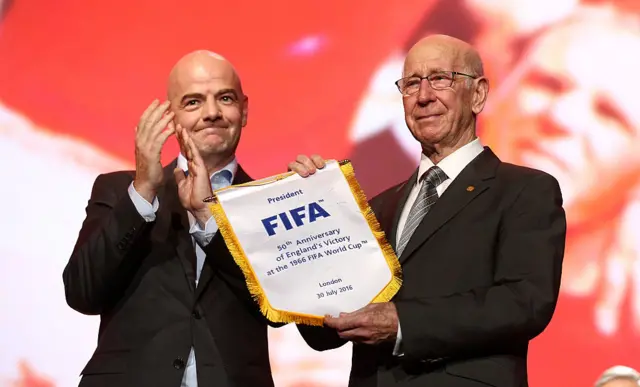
{"points": [[518, 173], [518, 179], [388, 192], [112, 181], [115, 177]]}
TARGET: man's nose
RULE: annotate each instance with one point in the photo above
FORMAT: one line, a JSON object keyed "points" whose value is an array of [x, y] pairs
{"points": [[426, 93], [211, 111]]}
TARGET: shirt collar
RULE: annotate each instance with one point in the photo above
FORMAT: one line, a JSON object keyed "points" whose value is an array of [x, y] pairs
{"points": [[228, 172], [453, 164]]}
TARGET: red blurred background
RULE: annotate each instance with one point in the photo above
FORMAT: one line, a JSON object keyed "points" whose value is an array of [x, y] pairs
{"points": [[75, 76]]}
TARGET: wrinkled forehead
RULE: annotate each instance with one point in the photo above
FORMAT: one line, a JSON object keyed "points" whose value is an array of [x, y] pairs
{"points": [[429, 59], [602, 60]]}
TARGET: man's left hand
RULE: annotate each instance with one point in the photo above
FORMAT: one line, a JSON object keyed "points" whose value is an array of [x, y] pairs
{"points": [[373, 324], [195, 186]]}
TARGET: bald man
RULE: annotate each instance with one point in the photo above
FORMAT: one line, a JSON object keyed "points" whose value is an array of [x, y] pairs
{"points": [[173, 304], [481, 244]]}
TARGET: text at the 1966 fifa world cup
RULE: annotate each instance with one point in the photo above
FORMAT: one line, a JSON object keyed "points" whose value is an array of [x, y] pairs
{"points": [[294, 253]]}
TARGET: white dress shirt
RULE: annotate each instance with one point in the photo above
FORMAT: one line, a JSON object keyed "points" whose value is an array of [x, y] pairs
{"points": [[201, 238], [451, 165]]}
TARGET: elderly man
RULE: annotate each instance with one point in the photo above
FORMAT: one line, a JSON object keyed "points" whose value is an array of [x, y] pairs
{"points": [[173, 304], [481, 244]]}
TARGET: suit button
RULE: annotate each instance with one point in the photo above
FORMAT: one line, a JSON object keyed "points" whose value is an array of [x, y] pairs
{"points": [[196, 314], [178, 363]]}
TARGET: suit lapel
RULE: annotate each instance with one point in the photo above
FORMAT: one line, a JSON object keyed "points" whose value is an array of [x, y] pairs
{"points": [[396, 204], [217, 244], [474, 179], [174, 218]]}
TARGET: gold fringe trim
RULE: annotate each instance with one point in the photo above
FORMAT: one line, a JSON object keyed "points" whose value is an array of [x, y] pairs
{"points": [[394, 285], [253, 284]]}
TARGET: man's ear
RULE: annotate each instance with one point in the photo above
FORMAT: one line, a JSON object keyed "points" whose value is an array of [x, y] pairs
{"points": [[245, 111], [480, 93]]}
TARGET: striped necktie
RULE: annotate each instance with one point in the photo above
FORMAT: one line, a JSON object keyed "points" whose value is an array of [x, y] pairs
{"points": [[427, 197]]}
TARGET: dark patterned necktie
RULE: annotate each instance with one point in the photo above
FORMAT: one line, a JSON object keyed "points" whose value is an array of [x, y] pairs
{"points": [[426, 198]]}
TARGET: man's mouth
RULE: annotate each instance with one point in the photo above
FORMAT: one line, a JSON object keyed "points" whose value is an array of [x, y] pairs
{"points": [[427, 117], [212, 128]]}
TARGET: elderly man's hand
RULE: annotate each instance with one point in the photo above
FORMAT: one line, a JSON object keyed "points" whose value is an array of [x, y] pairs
{"points": [[306, 166], [373, 324]]}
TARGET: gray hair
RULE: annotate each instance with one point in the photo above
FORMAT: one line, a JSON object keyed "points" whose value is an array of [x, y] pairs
{"points": [[618, 372]]}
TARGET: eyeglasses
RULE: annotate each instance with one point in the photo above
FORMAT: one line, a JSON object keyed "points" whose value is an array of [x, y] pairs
{"points": [[437, 81]]}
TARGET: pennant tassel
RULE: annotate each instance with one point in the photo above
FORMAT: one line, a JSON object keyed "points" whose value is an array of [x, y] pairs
{"points": [[253, 284], [395, 284]]}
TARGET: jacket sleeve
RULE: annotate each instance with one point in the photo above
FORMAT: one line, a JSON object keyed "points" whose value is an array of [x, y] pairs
{"points": [[320, 338], [109, 248], [520, 303]]}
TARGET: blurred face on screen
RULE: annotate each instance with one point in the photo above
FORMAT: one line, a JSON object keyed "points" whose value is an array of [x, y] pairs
{"points": [[2, 12], [576, 103], [207, 98], [445, 113]]}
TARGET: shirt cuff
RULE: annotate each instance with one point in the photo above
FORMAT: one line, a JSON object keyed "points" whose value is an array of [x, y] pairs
{"points": [[397, 349], [203, 237], [144, 208]]}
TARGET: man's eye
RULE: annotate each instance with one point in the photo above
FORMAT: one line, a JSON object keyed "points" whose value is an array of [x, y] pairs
{"points": [[440, 77], [192, 102]]}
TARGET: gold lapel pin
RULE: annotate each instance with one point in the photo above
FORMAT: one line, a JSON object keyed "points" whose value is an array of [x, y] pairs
{"points": [[470, 188]]}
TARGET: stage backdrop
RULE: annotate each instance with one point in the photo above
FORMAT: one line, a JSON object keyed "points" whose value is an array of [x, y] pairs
{"points": [[76, 75]]}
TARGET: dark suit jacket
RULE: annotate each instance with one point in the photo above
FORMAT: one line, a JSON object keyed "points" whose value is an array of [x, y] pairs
{"points": [[140, 278], [481, 279]]}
